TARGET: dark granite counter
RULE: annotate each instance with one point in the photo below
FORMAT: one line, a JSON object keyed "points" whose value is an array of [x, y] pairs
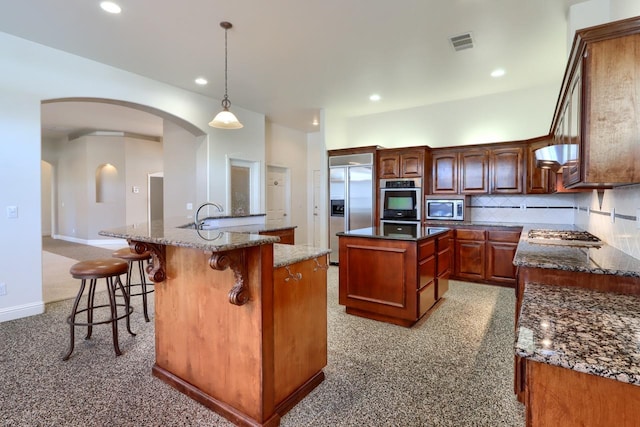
{"points": [[284, 255], [380, 233], [584, 330], [172, 233], [603, 260]]}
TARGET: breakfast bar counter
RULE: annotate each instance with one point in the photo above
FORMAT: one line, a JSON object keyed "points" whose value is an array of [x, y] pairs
{"points": [[240, 323]]}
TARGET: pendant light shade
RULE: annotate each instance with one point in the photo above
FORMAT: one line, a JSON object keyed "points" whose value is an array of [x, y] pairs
{"points": [[225, 119]]}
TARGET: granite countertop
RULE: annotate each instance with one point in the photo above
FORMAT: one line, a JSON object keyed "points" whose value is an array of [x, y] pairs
{"points": [[603, 260], [284, 255], [171, 232], [380, 233], [163, 233], [584, 330]]}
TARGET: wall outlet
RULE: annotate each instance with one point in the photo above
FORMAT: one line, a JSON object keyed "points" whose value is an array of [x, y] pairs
{"points": [[189, 206], [3, 288], [638, 218], [613, 215], [135, 189], [588, 210]]}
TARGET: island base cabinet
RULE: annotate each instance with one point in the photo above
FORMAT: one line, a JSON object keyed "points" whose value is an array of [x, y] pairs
{"points": [[230, 357], [391, 281], [559, 396]]}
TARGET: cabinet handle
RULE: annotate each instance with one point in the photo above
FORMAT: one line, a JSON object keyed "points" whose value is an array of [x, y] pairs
{"points": [[292, 276], [319, 266]]}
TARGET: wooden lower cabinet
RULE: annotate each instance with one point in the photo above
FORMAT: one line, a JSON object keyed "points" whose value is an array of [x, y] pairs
{"points": [[286, 235], [599, 282], [393, 281], [485, 254], [563, 397]]}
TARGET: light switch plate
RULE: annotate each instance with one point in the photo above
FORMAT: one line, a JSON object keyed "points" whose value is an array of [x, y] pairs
{"points": [[638, 218], [613, 215], [12, 212]]}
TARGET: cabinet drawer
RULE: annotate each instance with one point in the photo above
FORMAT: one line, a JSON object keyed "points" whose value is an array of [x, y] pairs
{"points": [[444, 261], [503, 236], [444, 242], [466, 234], [427, 271], [426, 249], [426, 298]]}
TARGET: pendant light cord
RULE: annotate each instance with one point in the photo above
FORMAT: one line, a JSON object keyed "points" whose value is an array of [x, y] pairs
{"points": [[225, 101]]}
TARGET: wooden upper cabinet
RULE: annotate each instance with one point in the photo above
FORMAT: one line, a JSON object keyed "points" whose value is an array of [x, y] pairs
{"points": [[539, 181], [411, 164], [406, 163], [601, 88], [444, 172], [388, 165], [474, 172], [506, 170]]}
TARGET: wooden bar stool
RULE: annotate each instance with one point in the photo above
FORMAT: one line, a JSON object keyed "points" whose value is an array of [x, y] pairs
{"points": [[109, 269], [131, 258]]}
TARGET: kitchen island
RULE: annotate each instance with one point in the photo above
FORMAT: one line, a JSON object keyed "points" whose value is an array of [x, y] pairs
{"points": [[240, 322], [393, 277]]}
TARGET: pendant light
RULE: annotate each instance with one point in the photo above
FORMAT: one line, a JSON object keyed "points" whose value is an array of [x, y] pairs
{"points": [[225, 119]]}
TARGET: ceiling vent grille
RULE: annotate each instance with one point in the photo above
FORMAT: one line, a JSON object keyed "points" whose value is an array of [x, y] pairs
{"points": [[461, 42]]}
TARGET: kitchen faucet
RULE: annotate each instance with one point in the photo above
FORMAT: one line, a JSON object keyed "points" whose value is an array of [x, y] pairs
{"points": [[199, 224]]}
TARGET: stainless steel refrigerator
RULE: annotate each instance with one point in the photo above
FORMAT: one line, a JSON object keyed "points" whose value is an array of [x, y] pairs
{"points": [[351, 196]]}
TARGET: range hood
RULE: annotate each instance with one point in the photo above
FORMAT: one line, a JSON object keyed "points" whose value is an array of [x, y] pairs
{"points": [[555, 157]]}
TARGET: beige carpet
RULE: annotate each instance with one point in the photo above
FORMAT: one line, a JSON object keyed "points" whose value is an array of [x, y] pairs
{"points": [[57, 258]]}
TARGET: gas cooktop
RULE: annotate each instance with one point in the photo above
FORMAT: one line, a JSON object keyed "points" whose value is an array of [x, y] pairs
{"points": [[564, 238]]}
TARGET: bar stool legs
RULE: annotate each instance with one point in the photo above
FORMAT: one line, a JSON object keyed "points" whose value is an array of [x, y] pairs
{"points": [[132, 257], [110, 270]]}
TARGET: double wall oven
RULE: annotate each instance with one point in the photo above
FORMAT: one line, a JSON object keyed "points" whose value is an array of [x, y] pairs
{"points": [[400, 206]]}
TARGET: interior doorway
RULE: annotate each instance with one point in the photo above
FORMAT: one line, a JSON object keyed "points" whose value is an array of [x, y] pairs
{"points": [[155, 201], [278, 196], [244, 186]]}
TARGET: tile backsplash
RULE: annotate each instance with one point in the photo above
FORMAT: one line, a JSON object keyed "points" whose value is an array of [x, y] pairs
{"points": [[590, 210], [543, 209], [593, 213]]}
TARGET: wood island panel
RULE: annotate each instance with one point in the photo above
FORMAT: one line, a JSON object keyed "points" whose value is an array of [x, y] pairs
{"points": [[391, 280], [252, 362]]}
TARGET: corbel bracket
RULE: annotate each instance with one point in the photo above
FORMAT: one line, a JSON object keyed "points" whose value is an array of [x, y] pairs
{"points": [[239, 294]]}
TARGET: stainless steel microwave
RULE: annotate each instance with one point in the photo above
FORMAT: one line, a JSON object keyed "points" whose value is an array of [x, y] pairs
{"points": [[445, 209]]}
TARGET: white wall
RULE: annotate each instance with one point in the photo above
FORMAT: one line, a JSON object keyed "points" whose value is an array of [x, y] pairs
{"points": [[509, 116], [32, 73], [596, 12], [287, 148]]}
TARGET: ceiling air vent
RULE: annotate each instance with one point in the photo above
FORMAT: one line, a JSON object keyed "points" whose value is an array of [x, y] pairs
{"points": [[462, 41]]}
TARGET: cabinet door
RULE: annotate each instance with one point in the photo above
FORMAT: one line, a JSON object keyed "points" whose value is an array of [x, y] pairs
{"points": [[411, 164], [500, 266], [507, 171], [470, 259], [474, 172], [444, 172], [388, 165], [539, 181]]}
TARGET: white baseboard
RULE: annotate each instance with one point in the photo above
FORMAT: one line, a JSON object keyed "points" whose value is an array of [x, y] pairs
{"points": [[20, 311]]}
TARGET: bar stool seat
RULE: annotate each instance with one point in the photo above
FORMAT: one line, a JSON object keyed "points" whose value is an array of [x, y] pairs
{"points": [[92, 270], [131, 257]]}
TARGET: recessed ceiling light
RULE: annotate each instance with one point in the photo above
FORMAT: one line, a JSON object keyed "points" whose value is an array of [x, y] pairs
{"points": [[375, 97], [201, 81], [499, 72], [110, 7]]}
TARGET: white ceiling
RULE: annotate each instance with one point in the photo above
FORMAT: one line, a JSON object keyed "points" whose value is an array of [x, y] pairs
{"points": [[290, 58]]}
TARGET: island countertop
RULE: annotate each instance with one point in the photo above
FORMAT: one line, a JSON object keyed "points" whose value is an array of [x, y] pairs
{"points": [[172, 233], [584, 330], [380, 233]]}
